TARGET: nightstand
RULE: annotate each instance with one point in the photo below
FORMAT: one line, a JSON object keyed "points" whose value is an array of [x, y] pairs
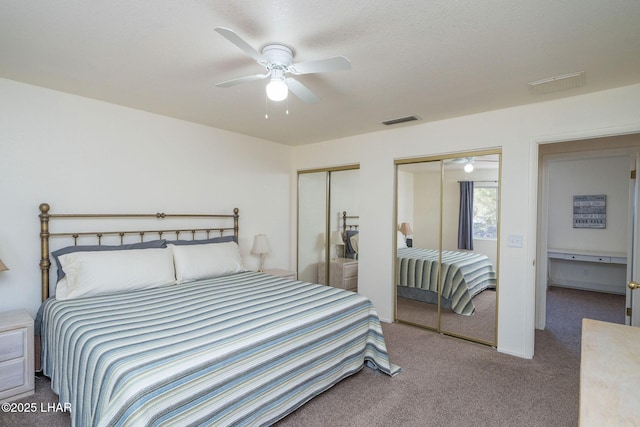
{"points": [[343, 273], [16, 355], [282, 273]]}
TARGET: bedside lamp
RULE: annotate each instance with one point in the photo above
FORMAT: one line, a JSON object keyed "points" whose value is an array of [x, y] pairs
{"points": [[2, 266], [260, 247], [405, 228]]}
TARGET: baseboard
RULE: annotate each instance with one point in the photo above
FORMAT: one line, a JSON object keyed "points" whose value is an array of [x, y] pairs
{"points": [[595, 287]]}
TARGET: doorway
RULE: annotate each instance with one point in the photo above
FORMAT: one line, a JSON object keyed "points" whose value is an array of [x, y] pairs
{"points": [[591, 265]]}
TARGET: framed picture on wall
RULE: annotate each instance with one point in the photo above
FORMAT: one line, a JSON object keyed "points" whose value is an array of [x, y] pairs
{"points": [[590, 211]]}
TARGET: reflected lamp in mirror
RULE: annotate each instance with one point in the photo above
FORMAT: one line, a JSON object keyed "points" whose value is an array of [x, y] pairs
{"points": [[405, 228], [2, 266], [336, 240], [468, 165], [261, 248]]}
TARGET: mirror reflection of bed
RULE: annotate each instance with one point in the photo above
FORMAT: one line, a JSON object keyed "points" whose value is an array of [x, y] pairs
{"points": [[463, 272]]}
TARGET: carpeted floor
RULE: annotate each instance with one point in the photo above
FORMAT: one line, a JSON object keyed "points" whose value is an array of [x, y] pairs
{"points": [[480, 325], [445, 381]]}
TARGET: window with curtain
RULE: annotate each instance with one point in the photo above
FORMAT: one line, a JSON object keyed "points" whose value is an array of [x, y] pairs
{"points": [[485, 212], [465, 218]]}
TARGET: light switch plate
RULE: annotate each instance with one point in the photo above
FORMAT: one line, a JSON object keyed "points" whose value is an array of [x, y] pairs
{"points": [[515, 240]]}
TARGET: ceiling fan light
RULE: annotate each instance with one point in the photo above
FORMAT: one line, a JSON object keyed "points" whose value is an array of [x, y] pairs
{"points": [[468, 168], [277, 90]]}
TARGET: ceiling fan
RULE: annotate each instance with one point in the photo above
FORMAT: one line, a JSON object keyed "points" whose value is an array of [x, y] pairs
{"points": [[278, 62], [468, 162]]}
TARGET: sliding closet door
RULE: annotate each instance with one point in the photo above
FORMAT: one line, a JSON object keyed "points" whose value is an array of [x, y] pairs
{"points": [[344, 197], [418, 251], [446, 274], [312, 224], [470, 247], [324, 196]]}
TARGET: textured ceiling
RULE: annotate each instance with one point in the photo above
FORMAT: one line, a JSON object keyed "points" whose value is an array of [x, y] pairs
{"points": [[434, 59]]}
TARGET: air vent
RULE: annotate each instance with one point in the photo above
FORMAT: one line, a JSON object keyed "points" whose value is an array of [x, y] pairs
{"points": [[401, 120], [558, 83]]}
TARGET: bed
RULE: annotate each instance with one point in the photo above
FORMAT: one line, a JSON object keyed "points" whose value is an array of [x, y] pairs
{"points": [[464, 275], [237, 348]]}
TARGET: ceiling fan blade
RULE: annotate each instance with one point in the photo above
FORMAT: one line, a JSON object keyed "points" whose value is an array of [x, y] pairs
{"points": [[301, 91], [243, 45], [244, 79], [336, 63]]}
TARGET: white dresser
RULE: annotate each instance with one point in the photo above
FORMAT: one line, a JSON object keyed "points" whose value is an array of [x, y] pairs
{"points": [[16, 355], [343, 273], [609, 374]]}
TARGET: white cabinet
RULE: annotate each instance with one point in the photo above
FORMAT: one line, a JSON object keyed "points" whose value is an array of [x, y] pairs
{"points": [[16, 355]]}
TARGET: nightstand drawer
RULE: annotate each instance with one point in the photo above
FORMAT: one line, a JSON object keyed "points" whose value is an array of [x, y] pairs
{"points": [[351, 283], [12, 374], [11, 344], [350, 270], [16, 355]]}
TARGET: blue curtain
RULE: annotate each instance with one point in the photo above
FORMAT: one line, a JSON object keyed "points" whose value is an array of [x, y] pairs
{"points": [[465, 219]]}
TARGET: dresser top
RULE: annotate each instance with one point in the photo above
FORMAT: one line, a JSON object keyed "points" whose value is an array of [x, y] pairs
{"points": [[609, 374], [15, 318]]}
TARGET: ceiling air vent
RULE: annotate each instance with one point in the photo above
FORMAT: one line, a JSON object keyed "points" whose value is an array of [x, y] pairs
{"points": [[558, 83], [401, 120]]}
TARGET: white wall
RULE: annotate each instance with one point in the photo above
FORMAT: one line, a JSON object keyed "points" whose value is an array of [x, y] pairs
{"points": [[82, 155], [589, 176], [518, 131]]}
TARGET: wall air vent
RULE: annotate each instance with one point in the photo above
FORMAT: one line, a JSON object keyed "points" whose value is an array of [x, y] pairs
{"points": [[401, 120], [558, 83]]}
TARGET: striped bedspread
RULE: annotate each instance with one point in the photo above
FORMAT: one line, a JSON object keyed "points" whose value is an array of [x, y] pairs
{"points": [[243, 349], [465, 274]]}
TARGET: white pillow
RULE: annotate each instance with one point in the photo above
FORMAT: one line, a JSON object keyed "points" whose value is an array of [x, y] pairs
{"points": [[355, 242], [194, 262], [402, 243], [97, 273]]}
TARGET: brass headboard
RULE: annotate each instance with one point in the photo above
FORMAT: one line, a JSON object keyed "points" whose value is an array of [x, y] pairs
{"points": [[45, 235], [346, 225]]}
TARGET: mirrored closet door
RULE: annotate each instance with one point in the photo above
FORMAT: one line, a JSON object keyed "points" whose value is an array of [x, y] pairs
{"points": [[447, 214], [328, 226]]}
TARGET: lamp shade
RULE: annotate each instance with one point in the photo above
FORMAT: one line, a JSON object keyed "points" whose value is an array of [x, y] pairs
{"points": [[260, 245], [336, 238], [2, 266], [405, 228]]}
